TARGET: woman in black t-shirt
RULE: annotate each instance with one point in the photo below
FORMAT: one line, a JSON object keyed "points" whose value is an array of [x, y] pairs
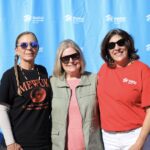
{"points": [[25, 99]]}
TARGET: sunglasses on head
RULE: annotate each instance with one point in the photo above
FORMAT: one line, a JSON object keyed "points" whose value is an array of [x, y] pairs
{"points": [[24, 45], [66, 59], [120, 42]]}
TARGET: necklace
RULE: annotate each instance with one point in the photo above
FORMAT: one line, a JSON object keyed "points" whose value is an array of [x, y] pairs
{"points": [[24, 75]]}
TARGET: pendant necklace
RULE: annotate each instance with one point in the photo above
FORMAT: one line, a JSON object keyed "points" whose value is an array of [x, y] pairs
{"points": [[23, 73]]}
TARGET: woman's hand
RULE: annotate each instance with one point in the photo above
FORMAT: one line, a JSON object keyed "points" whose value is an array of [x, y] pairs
{"points": [[14, 146]]}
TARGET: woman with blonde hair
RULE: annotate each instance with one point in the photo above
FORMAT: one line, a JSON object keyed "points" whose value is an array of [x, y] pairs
{"points": [[75, 115]]}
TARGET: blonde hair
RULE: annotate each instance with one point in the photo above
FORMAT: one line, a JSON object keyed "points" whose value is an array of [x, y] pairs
{"points": [[58, 69], [17, 58]]}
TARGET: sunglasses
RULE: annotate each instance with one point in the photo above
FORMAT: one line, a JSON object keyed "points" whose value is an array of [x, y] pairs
{"points": [[24, 45], [120, 42], [66, 59]]}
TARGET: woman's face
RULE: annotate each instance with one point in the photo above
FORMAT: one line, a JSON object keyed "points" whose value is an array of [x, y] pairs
{"points": [[71, 62], [27, 48], [118, 51]]}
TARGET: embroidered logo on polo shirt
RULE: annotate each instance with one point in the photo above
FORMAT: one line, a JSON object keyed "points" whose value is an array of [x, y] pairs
{"points": [[128, 81]]}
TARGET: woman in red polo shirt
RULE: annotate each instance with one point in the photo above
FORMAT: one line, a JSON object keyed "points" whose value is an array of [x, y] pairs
{"points": [[123, 93]]}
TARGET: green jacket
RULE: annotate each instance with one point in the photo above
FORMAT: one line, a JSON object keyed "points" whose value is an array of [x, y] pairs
{"points": [[86, 96]]}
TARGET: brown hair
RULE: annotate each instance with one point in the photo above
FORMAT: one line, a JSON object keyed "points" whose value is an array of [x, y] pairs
{"points": [[129, 45]]}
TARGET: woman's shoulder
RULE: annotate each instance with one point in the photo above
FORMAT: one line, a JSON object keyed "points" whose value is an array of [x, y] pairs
{"points": [[8, 74], [54, 79], [141, 64], [103, 68], [41, 68], [90, 75]]}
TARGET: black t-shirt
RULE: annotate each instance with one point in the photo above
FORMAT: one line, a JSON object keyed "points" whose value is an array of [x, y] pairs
{"points": [[29, 113]]}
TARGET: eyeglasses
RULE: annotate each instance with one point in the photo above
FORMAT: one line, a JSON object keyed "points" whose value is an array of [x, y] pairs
{"points": [[120, 42], [66, 59], [24, 45]]}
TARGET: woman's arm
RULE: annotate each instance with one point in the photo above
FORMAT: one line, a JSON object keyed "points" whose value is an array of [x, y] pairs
{"points": [[144, 132], [6, 129], [5, 125]]}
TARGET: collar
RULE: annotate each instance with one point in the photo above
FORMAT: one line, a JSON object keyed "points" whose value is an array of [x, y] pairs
{"points": [[84, 80]]}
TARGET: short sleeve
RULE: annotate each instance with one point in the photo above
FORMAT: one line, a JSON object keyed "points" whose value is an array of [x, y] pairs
{"points": [[145, 87]]}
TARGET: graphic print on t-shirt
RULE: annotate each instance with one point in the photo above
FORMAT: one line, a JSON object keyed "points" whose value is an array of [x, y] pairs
{"points": [[35, 93], [38, 94]]}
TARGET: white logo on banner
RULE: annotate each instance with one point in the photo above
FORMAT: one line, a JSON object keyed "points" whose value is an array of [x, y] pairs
{"points": [[74, 19], [27, 18], [33, 19], [115, 20], [148, 18], [148, 47]]}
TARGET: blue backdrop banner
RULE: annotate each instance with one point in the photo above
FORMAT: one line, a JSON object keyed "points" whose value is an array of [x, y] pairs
{"points": [[85, 21]]}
